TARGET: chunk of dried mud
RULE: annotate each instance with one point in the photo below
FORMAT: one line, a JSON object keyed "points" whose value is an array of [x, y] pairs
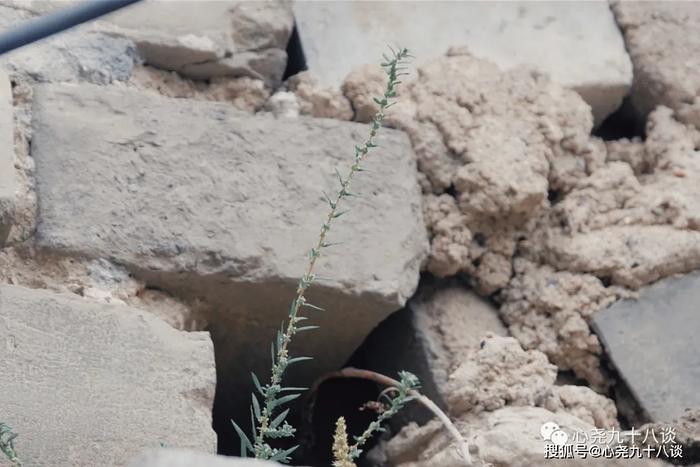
{"points": [[360, 86], [550, 311], [497, 142], [500, 373], [318, 101], [513, 176], [501, 438], [499, 399], [581, 402]]}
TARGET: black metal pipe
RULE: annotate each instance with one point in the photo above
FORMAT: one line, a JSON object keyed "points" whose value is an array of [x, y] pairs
{"points": [[58, 21]]}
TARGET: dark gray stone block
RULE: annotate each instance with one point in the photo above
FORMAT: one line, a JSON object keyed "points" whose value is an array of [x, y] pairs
{"points": [[653, 342]]}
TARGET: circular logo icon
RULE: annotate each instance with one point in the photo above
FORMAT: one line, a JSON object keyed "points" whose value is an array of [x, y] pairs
{"points": [[547, 429], [559, 438]]}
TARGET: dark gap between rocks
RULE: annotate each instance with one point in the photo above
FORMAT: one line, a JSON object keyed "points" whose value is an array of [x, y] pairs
{"points": [[394, 340], [452, 191], [237, 354], [338, 398], [625, 122], [390, 347], [628, 412], [315, 422], [554, 196], [232, 403], [296, 60], [568, 377]]}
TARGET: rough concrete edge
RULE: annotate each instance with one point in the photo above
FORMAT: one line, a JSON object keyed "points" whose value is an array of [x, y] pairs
{"points": [[625, 397], [8, 183]]}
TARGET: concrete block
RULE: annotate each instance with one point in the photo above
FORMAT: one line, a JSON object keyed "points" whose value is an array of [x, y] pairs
{"points": [[577, 43]]}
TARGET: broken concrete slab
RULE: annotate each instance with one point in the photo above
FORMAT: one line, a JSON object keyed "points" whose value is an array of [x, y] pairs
{"points": [[209, 203], [172, 457], [652, 342], [662, 41], [577, 43], [198, 39], [441, 326], [206, 39], [93, 384], [77, 55], [92, 57], [8, 182]]}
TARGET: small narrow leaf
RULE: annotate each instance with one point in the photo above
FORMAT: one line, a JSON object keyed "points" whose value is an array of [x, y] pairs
{"points": [[330, 244], [307, 328], [340, 177], [338, 214], [298, 359], [313, 307], [282, 456], [278, 419], [284, 399], [256, 406], [330, 202], [279, 339], [293, 389], [244, 439], [257, 384]]}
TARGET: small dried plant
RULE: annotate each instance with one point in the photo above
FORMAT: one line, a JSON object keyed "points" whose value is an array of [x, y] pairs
{"points": [[341, 448], [7, 444], [267, 413]]}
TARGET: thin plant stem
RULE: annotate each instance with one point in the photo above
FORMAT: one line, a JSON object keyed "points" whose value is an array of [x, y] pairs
{"points": [[266, 424]]}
